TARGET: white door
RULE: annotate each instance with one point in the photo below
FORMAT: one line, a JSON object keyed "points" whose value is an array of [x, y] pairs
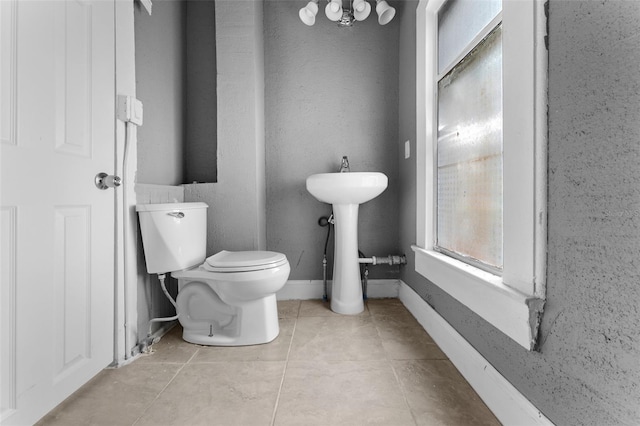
{"points": [[56, 227]]}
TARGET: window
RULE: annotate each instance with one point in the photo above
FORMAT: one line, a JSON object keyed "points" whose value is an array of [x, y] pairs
{"points": [[481, 81], [469, 133]]}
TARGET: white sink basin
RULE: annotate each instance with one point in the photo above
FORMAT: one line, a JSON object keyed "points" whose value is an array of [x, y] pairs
{"points": [[347, 188], [346, 191]]}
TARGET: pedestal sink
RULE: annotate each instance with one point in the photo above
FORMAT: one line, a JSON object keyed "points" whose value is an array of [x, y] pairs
{"points": [[346, 191]]}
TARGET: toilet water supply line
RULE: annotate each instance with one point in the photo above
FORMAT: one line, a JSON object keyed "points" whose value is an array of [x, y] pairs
{"points": [[363, 260], [130, 112], [161, 278]]}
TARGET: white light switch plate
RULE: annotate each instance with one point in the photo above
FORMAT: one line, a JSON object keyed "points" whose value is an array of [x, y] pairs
{"points": [[407, 149]]}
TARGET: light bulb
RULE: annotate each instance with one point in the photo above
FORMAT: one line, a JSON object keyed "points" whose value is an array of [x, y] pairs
{"points": [[308, 13], [385, 12], [334, 10], [361, 10]]}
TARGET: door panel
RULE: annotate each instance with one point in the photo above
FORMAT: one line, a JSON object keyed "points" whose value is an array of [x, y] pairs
{"points": [[72, 289], [57, 238]]}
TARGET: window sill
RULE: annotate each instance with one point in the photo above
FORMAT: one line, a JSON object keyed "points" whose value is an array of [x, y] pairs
{"points": [[510, 311]]}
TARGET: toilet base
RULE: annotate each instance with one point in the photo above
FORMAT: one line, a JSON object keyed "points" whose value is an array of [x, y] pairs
{"points": [[231, 323], [201, 338]]}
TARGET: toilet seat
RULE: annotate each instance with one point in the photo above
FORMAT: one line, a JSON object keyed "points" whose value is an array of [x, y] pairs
{"points": [[243, 261]]}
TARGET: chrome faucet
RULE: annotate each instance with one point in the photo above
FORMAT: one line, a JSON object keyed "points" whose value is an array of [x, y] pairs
{"points": [[344, 167]]}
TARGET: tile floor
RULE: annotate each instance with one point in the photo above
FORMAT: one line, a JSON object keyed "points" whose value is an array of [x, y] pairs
{"points": [[376, 368]]}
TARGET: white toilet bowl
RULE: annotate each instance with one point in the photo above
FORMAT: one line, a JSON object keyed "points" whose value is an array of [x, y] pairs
{"points": [[230, 299]]}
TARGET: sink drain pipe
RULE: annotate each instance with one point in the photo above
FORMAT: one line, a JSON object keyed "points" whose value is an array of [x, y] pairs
{"points": [[363, 260], [377, 260], [364, 273], [388, 260]]}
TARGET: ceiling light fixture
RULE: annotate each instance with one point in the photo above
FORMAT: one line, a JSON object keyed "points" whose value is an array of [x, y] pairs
{"points": [[385, 12], [358, 10], [309, 12]]}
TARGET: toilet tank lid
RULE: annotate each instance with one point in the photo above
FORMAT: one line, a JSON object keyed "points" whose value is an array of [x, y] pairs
{"points": [[169, 207], [243, 259]]}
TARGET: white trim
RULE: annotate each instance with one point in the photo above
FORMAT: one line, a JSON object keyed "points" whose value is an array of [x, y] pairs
{"points": [[314, 289], [519, 165], [301, 290], [512, 303], [125, 84], [424, 131], [541, 96], [512, 312], [502, 398]]}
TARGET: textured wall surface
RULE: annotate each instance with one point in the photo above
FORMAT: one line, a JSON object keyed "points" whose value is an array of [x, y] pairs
{"points": [[329, 92], [591, 323], [160, 85], [587, 370], [236, 215]]}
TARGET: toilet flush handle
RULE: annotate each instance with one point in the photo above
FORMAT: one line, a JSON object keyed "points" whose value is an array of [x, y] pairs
{"points": [[177, 215]]}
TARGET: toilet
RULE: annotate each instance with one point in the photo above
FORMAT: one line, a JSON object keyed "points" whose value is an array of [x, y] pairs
{"points": [[227, 299]]}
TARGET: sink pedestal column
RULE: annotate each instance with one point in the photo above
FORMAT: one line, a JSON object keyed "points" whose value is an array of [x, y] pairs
{"points": [[346, 291]]}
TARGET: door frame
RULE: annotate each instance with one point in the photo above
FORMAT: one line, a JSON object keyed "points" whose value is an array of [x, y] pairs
{"points": [[126, 314]]}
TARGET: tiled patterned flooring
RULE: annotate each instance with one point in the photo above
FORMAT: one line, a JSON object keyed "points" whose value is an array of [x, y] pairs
{"points": [[376, 368]]}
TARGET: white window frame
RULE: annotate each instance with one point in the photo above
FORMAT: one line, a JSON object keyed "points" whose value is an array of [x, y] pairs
{"points": [[512, 302]]}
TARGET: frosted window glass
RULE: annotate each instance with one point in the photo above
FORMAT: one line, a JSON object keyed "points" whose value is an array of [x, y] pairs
{"points": [[469, 152], [459, 22]]}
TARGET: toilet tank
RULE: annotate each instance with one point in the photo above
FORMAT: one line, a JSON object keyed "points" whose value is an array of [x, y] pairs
{"points": [[174, 235]]}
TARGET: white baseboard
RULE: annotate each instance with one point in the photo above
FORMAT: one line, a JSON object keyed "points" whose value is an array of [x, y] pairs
{"points": [[314, 289], [504, 400], [301, 290]]}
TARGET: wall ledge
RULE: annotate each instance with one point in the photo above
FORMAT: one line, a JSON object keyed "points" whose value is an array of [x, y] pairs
{"points": [[502, 398], [512, 312], [148, 193]]}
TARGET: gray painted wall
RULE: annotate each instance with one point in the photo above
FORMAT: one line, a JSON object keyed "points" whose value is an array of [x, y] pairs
{"points": [[236, 215], [329, 92], [176, 82], [587, 370], [200, 157], [175, 74], [160, 85]]}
